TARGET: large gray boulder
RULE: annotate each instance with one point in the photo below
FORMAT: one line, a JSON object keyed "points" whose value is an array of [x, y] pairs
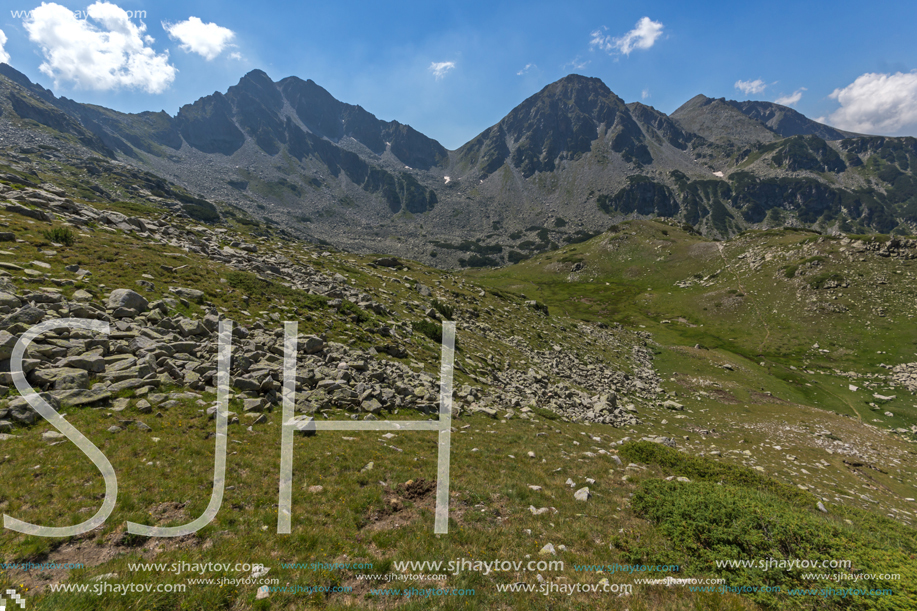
{"points": [[63, 378], [126, 298], [7, 343]]}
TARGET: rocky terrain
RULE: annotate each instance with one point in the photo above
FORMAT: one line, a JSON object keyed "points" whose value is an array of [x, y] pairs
{"points": [[153, 344]]}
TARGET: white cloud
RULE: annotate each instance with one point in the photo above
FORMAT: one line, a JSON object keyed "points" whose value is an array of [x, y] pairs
{"points": [[789, 100], [206, 39], [526, 69], [439, 69], [235, 55], [750, 87], [4, 56], [643, 36], [576, 64], [645, 94], [877, 103], [104, 51]]}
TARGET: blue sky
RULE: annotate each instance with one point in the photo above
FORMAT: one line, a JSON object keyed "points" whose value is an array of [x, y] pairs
{"points": [[453, 69]]}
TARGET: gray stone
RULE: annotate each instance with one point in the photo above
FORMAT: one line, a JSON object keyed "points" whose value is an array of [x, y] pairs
{"points": [[124, 313], [7, 343], [245, 384], [27, 315], [253, 405], [9, 300], [81, 396], [21, 411], [38, 215], [126, 298], [303, 425], [92, 363], [132, 383], [189, 294], [311, 344], [582, 494], [372, 406], [190, 327], [62, 378]]}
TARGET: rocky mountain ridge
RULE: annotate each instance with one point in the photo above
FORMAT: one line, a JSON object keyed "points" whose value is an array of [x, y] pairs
{"points": [[558, 169]]}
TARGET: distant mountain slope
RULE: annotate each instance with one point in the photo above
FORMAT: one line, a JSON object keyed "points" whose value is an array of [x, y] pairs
{"points": [[787, 122], [719, 121], [563, 165]]}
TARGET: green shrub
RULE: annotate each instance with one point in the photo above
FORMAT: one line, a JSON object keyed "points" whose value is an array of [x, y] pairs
{"points": [[429, 328], [445, 310], [60, 235], [357, 314], [700, 468], [545, 413], [729, 512], [821, 280], [707, 522]]}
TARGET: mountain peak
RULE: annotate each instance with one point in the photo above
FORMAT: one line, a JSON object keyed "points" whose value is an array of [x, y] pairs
{"points": [[559, 122], [578, 89], [787, 122], [256, 76]]}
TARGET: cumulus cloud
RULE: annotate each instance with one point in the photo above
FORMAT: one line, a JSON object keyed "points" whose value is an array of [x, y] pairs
{"points": [[645, 94], [750, 87], [104, 51], [877, 103], [206, 39], [789, 100], [643, 36], [439, 69], [526, 69], [4, 56]]}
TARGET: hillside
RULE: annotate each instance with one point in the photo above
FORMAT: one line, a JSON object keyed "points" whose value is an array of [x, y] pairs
{"points": [[766, 380], [558, 169]]}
